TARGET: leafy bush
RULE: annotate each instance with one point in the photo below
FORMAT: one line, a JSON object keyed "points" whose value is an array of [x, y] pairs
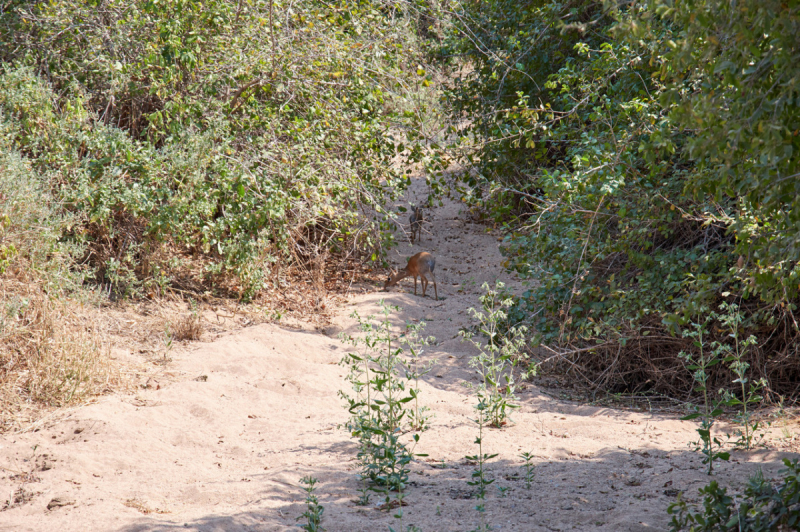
{"points": [[762, 508], [204, 145], [733, 80], [600, 139], [30, 222], [201, 147]]}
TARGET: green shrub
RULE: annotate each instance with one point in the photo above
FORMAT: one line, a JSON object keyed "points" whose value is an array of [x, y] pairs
{"points": [[32, 222], [762, 508], [599, 136], [214, 145]]}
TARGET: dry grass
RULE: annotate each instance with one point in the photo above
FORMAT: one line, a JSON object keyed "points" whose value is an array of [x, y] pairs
{"points": [[50, 356], [18, 498], [141, 506], [188, 328]]}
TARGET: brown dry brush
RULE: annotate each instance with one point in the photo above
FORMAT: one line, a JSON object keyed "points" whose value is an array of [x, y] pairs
{"points": [[50, 355], [649, 365], [188, 328], [646, 362]]}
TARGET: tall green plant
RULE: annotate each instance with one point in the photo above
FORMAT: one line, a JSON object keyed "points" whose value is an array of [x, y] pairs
{"points": [[498, 356], [731, 319], [700, 364], [480, 480], [378, 405], [414, 342], [763, 507]]}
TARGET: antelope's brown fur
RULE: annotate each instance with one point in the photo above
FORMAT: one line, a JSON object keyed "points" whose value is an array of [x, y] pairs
{"points": [[416, 219], [420, 265]]}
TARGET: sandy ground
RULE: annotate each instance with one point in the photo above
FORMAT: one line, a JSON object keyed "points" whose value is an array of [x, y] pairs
{"points": [[220, 443]]}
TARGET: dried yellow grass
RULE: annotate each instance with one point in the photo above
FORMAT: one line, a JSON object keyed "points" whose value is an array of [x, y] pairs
{"points": [[50, 356], [188, 328]]}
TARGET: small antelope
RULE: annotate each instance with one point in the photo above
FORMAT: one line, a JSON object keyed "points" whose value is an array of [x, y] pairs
{"points": [[416, 220], [420, 265]]}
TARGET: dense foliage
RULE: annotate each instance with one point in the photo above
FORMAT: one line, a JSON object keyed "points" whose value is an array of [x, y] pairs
{"points": [[762, 507], [644, 158], [199, 144]]}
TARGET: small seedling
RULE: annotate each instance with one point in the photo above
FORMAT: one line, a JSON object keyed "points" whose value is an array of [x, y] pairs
{"points": [[363, 498], [168, 340], [479, 478], [781, 416], [314, 509], [530, 469]]}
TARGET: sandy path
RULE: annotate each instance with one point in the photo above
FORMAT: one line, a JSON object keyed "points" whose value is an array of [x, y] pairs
{"points": [[244, 417]]}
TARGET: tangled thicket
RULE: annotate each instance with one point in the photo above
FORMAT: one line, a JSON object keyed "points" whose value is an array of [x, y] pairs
{"points": [[644, 158], [209, 145]]}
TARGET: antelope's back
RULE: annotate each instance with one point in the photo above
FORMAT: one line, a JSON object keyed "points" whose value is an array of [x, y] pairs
{"points": [[427, 261]]}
